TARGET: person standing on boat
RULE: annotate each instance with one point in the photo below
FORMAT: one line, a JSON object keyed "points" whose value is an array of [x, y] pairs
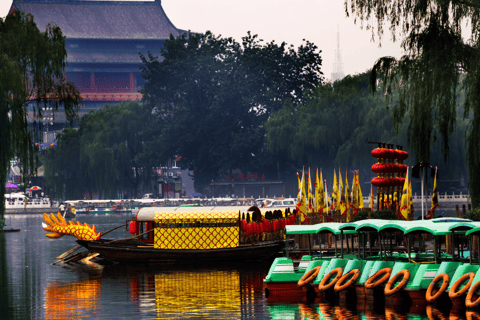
{"points": [[61, 208]]}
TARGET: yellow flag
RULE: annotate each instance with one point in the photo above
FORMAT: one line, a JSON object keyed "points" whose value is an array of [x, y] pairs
{"points": [[372, 204], [434, 195], [299, 195], [335, 192], [410, 198], [404, 207], [360, 195], [310, 193], [341, 196], [347, 199], [354, 202], [302, 201], [319, 194]]}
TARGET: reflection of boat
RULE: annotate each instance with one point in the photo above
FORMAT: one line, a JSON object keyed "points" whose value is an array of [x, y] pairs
{"points": [[19, 203], [185, 234]]}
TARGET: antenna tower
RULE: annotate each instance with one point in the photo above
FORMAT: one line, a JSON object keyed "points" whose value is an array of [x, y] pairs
{"points": [[337, 73]]}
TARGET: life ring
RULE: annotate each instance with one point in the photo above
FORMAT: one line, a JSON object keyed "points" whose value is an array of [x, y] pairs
{"points": [[308, 277], [355, 273], [453, 293], [431, 298], [388, 288], [324, 286], [468, 301], [370, 284]]}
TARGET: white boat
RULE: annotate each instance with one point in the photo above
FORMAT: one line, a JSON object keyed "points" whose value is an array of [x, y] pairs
{"points": [[19, 203], [280, 203], [100, 206]]}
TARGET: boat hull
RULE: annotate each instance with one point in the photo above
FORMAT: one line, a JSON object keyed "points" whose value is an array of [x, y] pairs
{"points": [[30, 210], [132, 251]]}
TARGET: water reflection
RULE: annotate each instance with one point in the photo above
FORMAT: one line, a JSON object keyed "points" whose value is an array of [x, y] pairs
{"points": [[71, 299], [161, 292]]}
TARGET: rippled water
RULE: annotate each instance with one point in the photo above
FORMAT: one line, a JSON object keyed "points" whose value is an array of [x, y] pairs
{"points": [[32, 288]]}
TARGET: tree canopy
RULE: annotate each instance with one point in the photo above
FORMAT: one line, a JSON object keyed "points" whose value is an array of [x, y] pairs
{"points": [[334, 127], [437, 62], [32, 67], [211, 97], [102, 156]]}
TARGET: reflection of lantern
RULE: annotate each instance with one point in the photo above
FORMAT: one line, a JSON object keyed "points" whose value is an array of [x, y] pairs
{"points": [[389, 168]]}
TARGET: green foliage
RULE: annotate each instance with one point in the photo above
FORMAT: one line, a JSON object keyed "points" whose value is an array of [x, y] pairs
{"points": [[2, 223], [361, 215], [102, 155], [32, 64], [334, 127], [473, 214], [427, 78], [211, 97]]}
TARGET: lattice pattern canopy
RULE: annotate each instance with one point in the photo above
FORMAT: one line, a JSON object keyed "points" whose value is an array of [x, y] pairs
{"points": [[196, 238]]}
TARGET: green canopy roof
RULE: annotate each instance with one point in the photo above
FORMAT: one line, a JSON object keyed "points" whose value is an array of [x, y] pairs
{"points": [[376, 225], [440, 229], [370, 225], [328, 227], [302, 229], [474, 231]]}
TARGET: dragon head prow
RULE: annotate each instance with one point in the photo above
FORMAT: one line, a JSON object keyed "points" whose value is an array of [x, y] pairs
{"points": [[59, 227]]}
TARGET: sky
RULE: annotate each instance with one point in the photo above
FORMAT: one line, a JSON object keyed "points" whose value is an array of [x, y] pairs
{"points": [[282, 21]]}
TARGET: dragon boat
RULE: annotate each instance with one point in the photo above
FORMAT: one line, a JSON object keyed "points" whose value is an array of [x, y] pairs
{"points": [[415, 277], [184, 234]]}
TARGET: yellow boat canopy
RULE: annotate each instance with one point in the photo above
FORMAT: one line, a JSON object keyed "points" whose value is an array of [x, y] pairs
{"points": [[150, 213]]}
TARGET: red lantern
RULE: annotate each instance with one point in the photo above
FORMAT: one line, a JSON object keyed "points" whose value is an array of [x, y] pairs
{"points": [[389, 168], [388, 182], [383, 153], [401, 155]]}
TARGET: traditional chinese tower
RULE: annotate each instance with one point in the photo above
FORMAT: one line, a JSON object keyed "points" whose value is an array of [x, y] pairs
{"points": [[103, 42]]}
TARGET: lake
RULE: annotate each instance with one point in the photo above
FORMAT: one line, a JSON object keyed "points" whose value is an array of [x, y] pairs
{"points": [[33, 288]]}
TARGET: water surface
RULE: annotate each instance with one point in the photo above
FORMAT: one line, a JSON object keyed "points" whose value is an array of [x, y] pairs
{"points": [[32, 288]]}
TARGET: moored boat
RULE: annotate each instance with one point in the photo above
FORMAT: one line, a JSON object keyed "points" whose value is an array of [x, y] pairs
{"points": [[19, 203], [185, 234], [408, 278]]}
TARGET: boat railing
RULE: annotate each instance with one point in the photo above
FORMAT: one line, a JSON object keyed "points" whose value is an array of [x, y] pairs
{"points": [[442, 197]]}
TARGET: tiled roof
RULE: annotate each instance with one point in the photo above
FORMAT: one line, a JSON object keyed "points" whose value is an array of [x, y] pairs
{"points": [[102, 19]]}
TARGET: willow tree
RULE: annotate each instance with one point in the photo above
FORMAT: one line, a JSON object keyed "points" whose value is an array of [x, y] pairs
{"points": [[32, 66], [437, 63]]}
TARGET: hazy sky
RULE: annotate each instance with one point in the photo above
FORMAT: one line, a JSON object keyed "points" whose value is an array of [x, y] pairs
{"points": [[282, 21]]}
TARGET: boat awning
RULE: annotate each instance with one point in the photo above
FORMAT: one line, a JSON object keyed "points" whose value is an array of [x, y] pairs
{"points": [[395, 226], [437, 229], [349, 226], [370, 225], [474, 232], [302, 229], [334, 227], [191, 217], [327, 227], [149, 213]]}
